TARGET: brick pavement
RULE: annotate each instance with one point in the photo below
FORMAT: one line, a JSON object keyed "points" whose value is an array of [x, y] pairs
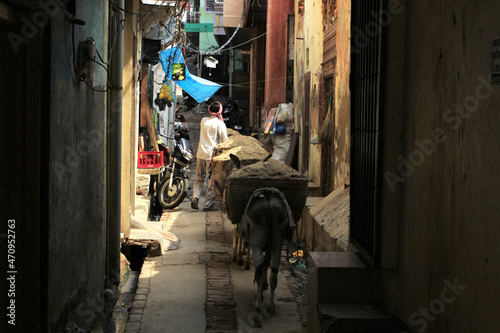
{"points": [[220, 307]]}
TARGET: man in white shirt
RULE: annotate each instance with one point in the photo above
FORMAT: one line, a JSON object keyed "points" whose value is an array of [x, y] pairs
{"points": [[212, 132]]}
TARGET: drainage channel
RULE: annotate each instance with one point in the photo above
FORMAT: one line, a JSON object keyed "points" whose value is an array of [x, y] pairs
{"points": [[135, 251]]}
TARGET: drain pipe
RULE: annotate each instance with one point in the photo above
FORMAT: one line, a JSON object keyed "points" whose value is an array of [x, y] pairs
{"points": [[114, 148]]}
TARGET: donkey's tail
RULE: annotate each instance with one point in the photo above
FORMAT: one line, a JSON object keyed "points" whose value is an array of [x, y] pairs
{"points": [[259, 271]]}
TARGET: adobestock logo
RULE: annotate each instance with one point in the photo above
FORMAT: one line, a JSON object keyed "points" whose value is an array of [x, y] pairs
{"points": [[363, 37], [31, 26], [436, 307], [455, 118]]}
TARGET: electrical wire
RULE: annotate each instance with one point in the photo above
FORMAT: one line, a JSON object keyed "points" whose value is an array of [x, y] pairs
{"points": [[118, 22], [252, 39], [134, 13], [246, 84], [196, 50], [235, 31], [220, 49], [95, 89], [151, 14]]}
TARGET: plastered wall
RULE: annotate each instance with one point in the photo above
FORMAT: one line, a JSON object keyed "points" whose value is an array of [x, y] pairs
{"points": [[342, 95], [309, 56], [76, 193], [446, 274]]}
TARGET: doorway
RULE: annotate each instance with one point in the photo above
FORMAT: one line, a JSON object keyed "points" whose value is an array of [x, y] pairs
{"points": [[328, 148]]}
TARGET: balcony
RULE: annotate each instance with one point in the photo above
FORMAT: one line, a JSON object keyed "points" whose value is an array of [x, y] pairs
{"points": [[232, 12]]}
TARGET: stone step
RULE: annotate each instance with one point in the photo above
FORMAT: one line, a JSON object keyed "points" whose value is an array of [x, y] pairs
{"points": [[337, 278], [341, 278], [354, 318]]}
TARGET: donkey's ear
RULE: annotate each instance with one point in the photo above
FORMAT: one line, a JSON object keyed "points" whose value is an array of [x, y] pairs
{"points": [[268, 157], [235, 160]]}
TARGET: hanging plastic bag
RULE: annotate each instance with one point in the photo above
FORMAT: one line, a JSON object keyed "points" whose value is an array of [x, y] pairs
{"points": [[285, 114], [166, 92]]}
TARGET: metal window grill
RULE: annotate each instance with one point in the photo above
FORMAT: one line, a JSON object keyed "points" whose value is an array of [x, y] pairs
{"points": [[193, 16], [366, 73], [209, 5], [289, 81]]}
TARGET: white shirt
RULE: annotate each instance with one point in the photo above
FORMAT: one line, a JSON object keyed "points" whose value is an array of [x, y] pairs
{"points": [[212, 132]]}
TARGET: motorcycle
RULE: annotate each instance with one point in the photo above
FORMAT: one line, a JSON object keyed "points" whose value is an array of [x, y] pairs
{"points": [[233, 117], [238, 120], [188, 101], [174, 178]]}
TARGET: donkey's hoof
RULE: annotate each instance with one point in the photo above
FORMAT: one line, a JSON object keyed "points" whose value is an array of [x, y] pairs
{"points": [[240, 262], [257, 320], [271, 308], [247, 266]]}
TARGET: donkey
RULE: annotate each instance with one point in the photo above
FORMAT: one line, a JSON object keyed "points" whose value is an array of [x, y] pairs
{"points": [[240, 247], [240, 244], [265, 221]]}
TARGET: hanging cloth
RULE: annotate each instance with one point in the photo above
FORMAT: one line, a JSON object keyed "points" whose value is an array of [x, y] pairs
{"points": [[326, 130]]}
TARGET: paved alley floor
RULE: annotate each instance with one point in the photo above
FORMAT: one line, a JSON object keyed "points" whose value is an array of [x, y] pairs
{"points": [[197, 287]]}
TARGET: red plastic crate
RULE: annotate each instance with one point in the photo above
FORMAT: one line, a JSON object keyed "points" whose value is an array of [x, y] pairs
{"points": [[149, 159]]}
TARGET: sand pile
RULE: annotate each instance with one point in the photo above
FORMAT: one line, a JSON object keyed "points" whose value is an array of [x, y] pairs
{"points": [[243, 182], [248, 149]]}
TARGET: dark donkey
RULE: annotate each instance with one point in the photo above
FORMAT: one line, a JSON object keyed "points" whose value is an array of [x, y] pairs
{"points": [[265, 221]]}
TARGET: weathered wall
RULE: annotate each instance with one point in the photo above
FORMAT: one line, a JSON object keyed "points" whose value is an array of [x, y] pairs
{"points": [[131, 71], [309, 56], [446, 278], [76, 194], [342, 137]]}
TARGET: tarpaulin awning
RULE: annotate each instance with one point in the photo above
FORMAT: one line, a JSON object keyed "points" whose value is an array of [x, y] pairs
{"points": [[199, 88]]}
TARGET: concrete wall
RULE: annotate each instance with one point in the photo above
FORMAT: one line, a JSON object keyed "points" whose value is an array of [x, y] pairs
{"points": [[131, 71], [232, 12], [76, 177], [446, 276]]}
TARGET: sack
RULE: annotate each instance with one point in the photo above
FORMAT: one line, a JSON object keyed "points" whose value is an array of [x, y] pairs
{"points": [[285, 113]]}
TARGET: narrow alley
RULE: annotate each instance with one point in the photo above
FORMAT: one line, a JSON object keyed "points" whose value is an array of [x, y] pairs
{"points": [[369, 127], [194, 285], [198, 288]]}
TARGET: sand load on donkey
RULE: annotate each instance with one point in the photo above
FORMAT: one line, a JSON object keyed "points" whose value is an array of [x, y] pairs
{"points": [[248, 149], [241, 184]]}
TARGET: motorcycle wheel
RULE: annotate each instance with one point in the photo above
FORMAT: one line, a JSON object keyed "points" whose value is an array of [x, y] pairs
{"points": [[171, 198]]}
